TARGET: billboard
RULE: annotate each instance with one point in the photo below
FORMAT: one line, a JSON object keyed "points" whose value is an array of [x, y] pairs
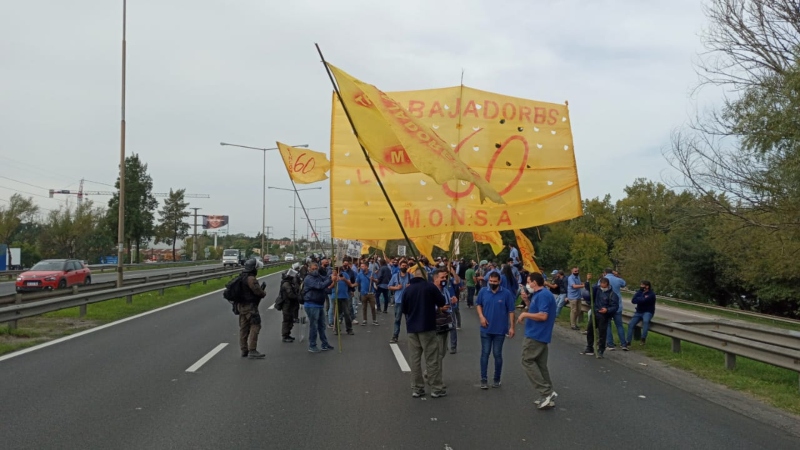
{"points": [[214, 222]]}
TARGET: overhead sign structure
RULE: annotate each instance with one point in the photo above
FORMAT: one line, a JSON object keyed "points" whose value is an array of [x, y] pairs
{"points": [[214, 222]]}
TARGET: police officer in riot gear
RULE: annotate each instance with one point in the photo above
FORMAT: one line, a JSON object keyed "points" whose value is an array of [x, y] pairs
{"points": [[249, 318]]}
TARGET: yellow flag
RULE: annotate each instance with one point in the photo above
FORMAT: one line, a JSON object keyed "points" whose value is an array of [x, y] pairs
{"points": [[424, 245], [379, 244], [443, 241], [492, 238], [400, 141], [304, 166], [533, 168], [526, 252]]}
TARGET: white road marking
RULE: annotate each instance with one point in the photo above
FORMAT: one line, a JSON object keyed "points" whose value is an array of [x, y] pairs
{"points": [[401, 360], [102, 327], [205, 359]]}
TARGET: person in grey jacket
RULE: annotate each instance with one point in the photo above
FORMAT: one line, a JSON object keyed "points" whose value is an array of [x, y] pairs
{"points": [[606, 304]]}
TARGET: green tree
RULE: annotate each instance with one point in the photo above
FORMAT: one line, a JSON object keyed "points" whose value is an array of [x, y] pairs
{"points": [[78, 233], [20, 210], [554, 250], [589, 252], [140, 205], [173, 215], [599, 218]]}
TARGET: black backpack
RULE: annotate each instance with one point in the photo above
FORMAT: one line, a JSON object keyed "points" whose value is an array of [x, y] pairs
{"points": [[234, 291]]}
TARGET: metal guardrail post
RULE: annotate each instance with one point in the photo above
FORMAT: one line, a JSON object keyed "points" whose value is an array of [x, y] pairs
{"points": [[12, 325], [730, 361], [129, 299], [676, 345]]}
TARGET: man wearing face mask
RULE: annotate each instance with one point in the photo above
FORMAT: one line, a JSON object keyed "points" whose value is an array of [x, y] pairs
{"points": [[539, 322], [645, 301], [440, 277], [606, 303], [398, 285], [495, 308], [574, 287]]}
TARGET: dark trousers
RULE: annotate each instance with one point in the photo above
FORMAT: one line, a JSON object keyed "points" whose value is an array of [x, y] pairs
{"points": [[249, 326], [290, 311], [470, 295], [385, 293], [602, 329], [343, 304]]}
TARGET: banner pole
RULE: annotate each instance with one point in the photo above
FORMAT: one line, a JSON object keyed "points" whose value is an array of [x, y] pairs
{"points": [[366, 155]]}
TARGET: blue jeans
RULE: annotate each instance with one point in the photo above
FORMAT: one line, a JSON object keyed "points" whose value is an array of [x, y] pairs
{"points": [[645, 318], [316, 325], [492, 343], [560, 300], [398, 316], [617, 318]]}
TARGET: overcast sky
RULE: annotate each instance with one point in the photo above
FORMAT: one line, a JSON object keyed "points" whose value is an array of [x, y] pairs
{"points": [[246, 72]]}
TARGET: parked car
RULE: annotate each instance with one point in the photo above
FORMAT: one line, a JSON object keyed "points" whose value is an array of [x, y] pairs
{"points": [[54, 274], [288, 257]]}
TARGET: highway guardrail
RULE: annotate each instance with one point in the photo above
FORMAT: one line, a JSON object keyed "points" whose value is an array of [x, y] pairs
{"points": [[20, 310]]}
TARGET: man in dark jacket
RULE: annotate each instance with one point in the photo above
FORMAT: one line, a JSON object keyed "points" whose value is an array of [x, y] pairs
{"points": [[315, 292], [249, 318], [384, 276], [645, 301], [290, 297], [606, 303], [421, 300]]}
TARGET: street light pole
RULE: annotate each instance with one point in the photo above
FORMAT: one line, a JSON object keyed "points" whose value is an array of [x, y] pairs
{"points": [[121, 211], [294, 217], [264, 191]]}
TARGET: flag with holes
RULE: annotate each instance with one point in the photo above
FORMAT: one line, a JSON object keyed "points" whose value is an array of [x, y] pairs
{"points": [[522, 148]]}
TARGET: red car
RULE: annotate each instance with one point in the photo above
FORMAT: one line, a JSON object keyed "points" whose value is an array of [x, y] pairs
{"points": [[54, 274]]}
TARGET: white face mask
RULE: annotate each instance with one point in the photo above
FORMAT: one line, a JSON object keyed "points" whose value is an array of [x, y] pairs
{"points": [[529, 289]]}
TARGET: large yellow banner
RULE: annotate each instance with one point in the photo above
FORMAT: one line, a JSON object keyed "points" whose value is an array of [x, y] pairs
{"points": [[523, 148]]}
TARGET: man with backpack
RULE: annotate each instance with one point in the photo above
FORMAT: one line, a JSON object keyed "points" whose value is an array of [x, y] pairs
{"points": [[289, 301], [247, 294]]}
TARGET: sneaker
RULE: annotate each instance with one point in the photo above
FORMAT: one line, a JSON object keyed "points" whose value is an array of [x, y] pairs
{"points": [[291, 337], [374, 323], [364, 323], [549, 401], [244, 353], [538, 402], [574, 328], [600, 354], [287, 340], [458, 328], [610, 348], [350, 332], [330, 326], [452, 351], [418, 394], [355, 322], [624, 348], [484, 384], [393, 340], [548, 405], [588, 352], [313, 350], [327, 347], [439, 394], [642, 343], [496, 384], [254, 354]]}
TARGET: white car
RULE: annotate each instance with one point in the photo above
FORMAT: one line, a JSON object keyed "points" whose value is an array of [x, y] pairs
{"points": [[288, 257]]}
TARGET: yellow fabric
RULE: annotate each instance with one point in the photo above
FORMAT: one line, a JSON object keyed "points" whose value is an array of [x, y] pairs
{"points": [[401, 141], [534, 169], [492, 238], [424, 246], [304, 166], [526, 252], [379, 244]]}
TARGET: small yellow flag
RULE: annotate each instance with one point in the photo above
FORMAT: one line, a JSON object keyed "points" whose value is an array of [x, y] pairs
{"points": [[304, 166], [424, 245], [378, 244], [492, 238], [400, 141], [526, 252]]}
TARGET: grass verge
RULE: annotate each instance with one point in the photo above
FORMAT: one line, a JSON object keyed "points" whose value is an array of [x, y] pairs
{"points": [[35, 330], [773, 385]]}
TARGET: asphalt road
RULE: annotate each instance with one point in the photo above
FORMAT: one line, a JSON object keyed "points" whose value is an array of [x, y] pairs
{"points": [[108, 275], [127, 386]]}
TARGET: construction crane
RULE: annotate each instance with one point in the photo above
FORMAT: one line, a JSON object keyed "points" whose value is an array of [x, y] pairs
{"points": [[81, 193]]}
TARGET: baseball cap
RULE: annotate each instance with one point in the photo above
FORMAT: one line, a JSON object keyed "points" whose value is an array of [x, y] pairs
{"points": [[554, 272]]}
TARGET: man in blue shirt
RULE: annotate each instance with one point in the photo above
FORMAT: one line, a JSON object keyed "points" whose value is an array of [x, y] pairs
{"points": [[342, 294], [315, 285], [398, 285], [513, 254], [616, 284], [384, 276], [540, 319], [495, 308], [574, 287], [367, 292]]}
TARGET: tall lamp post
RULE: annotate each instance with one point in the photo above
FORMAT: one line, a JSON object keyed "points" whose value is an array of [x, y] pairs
{"points": [[121, 212], [294, 217], [264, 190]]}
